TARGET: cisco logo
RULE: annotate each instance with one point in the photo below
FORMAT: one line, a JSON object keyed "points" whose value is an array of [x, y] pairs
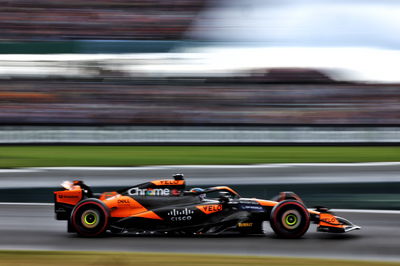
{"points": [[178, 215]]}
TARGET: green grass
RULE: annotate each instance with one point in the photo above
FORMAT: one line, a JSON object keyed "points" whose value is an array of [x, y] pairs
{"points": [[59, 258], [35, 156]]}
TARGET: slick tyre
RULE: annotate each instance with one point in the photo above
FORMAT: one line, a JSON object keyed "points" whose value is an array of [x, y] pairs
{"points": [[90, 218], [290, 219]]}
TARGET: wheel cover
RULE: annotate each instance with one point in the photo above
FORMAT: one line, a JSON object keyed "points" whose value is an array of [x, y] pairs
{"points": [[90, 218], [291, 219]]}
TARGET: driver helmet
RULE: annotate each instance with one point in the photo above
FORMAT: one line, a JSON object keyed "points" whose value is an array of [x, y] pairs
{"points": [[199, 190], [178, 177]]}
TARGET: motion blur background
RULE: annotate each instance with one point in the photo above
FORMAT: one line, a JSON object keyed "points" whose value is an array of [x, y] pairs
{"points": [[204, 72], [228, 82], [199, 62]]}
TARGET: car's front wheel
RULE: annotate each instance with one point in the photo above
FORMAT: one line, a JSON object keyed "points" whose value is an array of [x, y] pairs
{"points": [[90, 218], [290, 219]]}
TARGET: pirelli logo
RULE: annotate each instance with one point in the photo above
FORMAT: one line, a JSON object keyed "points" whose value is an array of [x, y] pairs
{"points": [[244, 224], [211, 208]]}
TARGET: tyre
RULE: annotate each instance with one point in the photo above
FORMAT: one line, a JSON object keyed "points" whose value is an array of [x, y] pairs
{"points": [[90, 218], [287, 195], [290, 219]]}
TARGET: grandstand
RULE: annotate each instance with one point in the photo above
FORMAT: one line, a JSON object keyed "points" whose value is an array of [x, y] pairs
{"points": [[124, 101], [33, 20], [207, 85]]}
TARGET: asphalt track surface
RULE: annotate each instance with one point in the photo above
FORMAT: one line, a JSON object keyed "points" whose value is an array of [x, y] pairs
{"points": [[33, 227]]}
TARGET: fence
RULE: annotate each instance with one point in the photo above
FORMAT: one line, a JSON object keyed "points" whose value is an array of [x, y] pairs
{"points": [[196, 135]]}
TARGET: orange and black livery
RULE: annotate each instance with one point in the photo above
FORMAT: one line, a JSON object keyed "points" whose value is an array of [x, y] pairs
{"points": [[165, 206]]}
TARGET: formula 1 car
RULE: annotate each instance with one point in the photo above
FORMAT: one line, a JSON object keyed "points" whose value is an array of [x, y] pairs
{"points": [[165, 206]]}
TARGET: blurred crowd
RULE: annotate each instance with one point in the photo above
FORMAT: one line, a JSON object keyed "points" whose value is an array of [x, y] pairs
{"points": [[195, 102], [96, 19], [99, 94]]}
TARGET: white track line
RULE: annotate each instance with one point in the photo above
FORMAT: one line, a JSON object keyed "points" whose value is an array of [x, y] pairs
{"points": [[367, 211], [20, 170], [26, 204], [161, 167]]}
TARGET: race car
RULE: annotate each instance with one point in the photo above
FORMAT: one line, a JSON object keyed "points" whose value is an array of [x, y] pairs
{"points": [[165, 206]]}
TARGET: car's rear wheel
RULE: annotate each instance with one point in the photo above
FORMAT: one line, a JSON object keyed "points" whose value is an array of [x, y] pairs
{"points": [[290, 219], [90, 218]]}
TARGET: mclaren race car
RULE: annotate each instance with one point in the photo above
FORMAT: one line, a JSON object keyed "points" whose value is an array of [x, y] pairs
{"points": [[165, 206]]}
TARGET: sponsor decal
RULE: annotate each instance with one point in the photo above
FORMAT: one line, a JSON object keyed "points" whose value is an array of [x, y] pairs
{"points": [[149, 191], [207, 209], [251, 202], [61, 196], [180, 215], [123, 201], [245, 224], [60, 210], [247, 207], [329, 220], [169, 182]]}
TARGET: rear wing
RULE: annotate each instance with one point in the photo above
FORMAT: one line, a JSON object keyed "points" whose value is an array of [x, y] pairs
{"points": [[65, 200]]}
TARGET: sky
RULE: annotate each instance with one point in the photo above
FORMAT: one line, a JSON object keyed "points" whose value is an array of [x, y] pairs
{"points": [[337, 23]]}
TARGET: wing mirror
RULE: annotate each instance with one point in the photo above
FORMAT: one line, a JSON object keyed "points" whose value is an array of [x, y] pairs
{"points": [[224, 197]]}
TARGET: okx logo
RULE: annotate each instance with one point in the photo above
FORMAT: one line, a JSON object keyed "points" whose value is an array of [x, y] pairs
{"points": [[178, 215]]}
